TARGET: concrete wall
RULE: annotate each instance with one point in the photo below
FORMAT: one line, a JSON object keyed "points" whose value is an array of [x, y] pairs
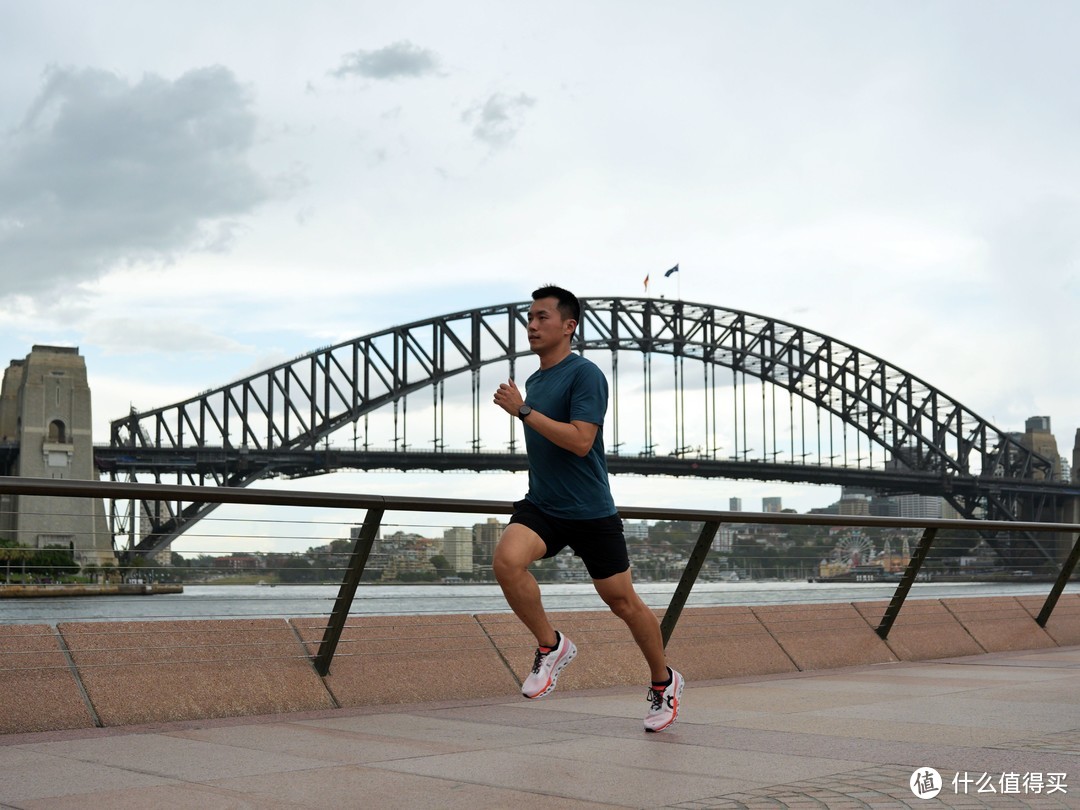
{"points": [[83, 674]]}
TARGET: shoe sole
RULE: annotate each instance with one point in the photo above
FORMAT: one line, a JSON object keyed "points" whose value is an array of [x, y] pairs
{"points": [[675, 714], [555, 673]]}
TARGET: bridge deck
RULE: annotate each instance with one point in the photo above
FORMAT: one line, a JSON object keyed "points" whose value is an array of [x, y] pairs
{"points": [[845, 738]]}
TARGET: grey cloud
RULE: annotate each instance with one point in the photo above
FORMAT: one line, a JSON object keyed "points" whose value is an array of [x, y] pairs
{"points": [[497, 120], [396, 61], [102, 173], [143, 335]]}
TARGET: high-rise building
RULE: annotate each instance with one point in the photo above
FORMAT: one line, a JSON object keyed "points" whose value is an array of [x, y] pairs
{"points": [[854, 503], [1037, 424], [457, 547], [485, 538], [1076, 455], [918, 506], [734, 504], [1038, 438], [772, 504], [884, 506], [724, 540]]}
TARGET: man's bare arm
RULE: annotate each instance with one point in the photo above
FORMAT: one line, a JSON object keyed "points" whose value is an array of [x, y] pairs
{"points": [[575, 436]]}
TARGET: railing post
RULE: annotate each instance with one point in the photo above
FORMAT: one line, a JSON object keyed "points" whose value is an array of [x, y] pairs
{"points": [[357, 560], [689, 577], [1059, 585], [914, 564]]}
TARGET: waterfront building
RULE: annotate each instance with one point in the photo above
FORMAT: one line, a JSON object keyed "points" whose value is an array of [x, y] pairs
{"points": [[457, 547], [485, 537]]}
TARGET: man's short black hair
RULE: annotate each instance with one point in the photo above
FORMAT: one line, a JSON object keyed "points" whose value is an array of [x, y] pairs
{"points": [[569, 306]]}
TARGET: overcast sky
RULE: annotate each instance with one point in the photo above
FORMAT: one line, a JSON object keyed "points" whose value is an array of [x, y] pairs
{"points": [[192, 192]]}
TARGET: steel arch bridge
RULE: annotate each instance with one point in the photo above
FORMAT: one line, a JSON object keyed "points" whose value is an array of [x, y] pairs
{"points": [[279, 422]]}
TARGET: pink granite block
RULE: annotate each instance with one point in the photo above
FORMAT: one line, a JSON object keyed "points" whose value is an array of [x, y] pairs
{"points": [[607, 653], [825, 636], [924, 629], [1064, 624], [724, 642], [38, 690], [147, 671], [999, 623], [410, 659]]}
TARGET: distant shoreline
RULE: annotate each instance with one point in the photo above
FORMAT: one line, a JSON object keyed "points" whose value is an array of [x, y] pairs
{"points": [[55, 591]]}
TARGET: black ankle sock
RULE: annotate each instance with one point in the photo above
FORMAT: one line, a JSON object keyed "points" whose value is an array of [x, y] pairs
{"points": [[664, 685]]}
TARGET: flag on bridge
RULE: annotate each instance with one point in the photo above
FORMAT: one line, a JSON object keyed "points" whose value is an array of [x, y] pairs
{"points": [[674, 269], [646, 282]]}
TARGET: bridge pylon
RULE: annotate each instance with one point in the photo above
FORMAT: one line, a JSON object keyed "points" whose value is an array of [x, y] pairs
{"points": [[45, 432]]}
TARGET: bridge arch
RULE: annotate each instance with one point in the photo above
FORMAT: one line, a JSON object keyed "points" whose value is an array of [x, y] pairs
{"points": [[299, 403]]}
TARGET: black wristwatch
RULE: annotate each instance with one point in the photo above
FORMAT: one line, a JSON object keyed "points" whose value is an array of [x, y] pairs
{"points": [[524, 411]]}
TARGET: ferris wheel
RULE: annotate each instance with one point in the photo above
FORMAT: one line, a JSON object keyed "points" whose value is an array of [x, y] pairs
{"points": [[855, 550]]}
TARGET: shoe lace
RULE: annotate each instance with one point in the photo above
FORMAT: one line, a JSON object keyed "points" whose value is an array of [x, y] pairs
{"points": [[538, 660], [655, 698]]}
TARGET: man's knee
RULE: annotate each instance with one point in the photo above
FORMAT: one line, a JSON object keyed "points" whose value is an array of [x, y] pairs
{"points": [[517, 549], [627, 605], [619, 595], [504, 566]]}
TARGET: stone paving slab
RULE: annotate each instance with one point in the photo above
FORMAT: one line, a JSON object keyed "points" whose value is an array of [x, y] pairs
{"points": [[873, 787], [833, 739]]}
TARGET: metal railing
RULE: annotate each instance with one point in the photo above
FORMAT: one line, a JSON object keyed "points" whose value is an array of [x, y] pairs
{"points": [[377, 506]]}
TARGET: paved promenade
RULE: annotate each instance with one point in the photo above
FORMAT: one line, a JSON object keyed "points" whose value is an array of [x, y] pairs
{"points": [[1005, 722]]}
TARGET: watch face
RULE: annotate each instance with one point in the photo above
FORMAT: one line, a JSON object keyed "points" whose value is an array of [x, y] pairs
{"points": [[524, 411]]}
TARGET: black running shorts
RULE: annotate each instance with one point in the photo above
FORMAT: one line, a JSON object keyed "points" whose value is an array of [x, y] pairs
{"points": [[598, 541]]}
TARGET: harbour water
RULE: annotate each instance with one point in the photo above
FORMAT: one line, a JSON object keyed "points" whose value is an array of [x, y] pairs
{"points": [[298, 601]]}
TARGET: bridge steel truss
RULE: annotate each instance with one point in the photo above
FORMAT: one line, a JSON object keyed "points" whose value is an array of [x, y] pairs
{"points": [[261, 425]]}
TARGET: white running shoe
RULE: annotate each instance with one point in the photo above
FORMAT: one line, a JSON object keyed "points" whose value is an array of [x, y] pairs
{"points": [[546, 668], [664, 704]]}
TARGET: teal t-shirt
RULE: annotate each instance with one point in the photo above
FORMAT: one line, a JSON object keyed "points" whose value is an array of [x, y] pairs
{"points": [[560, 482]]}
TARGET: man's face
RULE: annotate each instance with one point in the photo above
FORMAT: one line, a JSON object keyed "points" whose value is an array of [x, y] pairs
{"points": [[547, 328]]}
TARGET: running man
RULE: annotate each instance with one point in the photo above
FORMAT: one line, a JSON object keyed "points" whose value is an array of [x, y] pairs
{"points": [[569, 503]]}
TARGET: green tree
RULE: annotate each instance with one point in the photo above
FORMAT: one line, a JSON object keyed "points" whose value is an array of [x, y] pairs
{"points": [[679, 535], [13, 556], [441, 565]]}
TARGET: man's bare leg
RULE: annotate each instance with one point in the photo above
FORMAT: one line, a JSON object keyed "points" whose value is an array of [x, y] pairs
{"points": [[618, 593], [518, 548]]}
